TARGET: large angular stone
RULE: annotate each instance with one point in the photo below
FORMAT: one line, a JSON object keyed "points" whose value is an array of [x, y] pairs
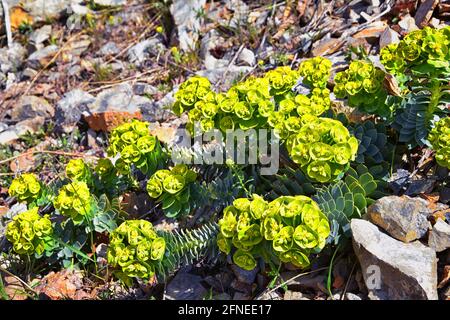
{"points": [[394, 270], [404, 218], [439, 238]]}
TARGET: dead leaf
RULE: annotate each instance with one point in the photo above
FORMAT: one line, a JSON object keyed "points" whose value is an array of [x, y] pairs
{"points": [[25, 162], [391, 85], [372, 31], [106, 121], [65, 284], [18, 17], [338, 282], [3, 210], [14, 288]]}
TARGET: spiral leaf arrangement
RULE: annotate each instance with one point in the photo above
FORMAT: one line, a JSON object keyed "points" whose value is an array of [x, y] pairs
{"points": [[173, 189]]}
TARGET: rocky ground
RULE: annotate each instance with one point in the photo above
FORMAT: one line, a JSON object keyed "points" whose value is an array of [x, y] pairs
{"points": [[72, 69]]}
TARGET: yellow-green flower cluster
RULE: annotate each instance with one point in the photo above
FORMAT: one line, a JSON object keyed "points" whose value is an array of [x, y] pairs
{"points": [[439, 138], [29, 233], [281, 80], [190, 92], [136, 146], [316, 72], [256, 102], [362, 84], [26, 188], [77, 170], [418, 49], [74, 201], [135, 249], [289, 228], [172, 188], [322, 147], [288, 119]]}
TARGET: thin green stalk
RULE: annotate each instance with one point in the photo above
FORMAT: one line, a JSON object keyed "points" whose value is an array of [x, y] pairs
{"points": [[3, 295], [330, 269]]}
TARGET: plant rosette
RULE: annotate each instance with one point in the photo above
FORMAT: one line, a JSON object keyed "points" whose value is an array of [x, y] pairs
{"points": [[132, 145], [323, 148], [26, 188], [74, 201], [288, 229], [173, 188], [135, 249], [362, 85], [30, 233]]}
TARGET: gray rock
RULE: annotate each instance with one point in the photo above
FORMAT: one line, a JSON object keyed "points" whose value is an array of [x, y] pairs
{"points": [[185, 286], [29, 107], [240, 12], [352, 296], [15, 209], [119, 98], [101, 250], [8, 135], [141, 89], [77, 48], [408, 24], [210, 41], [42, 57], [420, 186], [109, 49], [3, 126], [11, 58], [389, 36], [40, 35], [29, 73], [439, 238], [247, 56], [404, 218], [230, 73], [394, 270], [109, 3], [42, 10], [70, 108], [138, 53], [294, 295], [245, 276], [269, 295], [185, 16]]}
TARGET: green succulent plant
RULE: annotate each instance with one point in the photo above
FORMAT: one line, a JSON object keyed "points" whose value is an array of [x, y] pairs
{"points": [[362, 85], [77, 170], [135, 249], [316, 72], [193, 90], [135, 146], [74, 201], [420, 64], [173, 189], [287, 229], [374, 147], [26, 188], [439, 138], [30, 233], [420, 50], [323, 148]]}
